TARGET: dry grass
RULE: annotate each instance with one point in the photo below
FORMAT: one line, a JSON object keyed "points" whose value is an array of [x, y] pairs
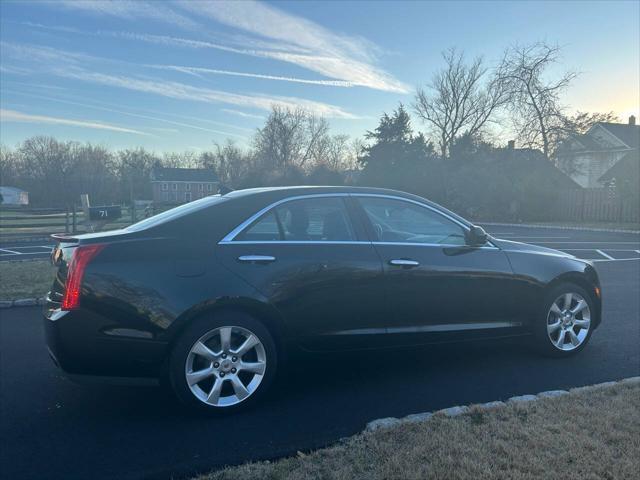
{"points": [[25, 279], [588, 435]]}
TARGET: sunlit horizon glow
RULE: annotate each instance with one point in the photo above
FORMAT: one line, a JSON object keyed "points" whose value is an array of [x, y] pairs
{"points": [[181, 75]]}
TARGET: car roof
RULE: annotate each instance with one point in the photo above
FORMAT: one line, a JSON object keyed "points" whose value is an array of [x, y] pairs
{"points": [[312, 189], [273, 194]]}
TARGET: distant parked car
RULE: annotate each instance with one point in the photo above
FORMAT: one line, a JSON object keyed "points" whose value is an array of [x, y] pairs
{"points": [[211, 295]]}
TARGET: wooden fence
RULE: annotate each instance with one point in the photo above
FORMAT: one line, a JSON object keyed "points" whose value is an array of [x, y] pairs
{"points": [[598, 205], [20, 223]]}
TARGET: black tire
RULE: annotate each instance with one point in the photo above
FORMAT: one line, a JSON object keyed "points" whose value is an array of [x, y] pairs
{"points": [[201, 327], [542, 342]]}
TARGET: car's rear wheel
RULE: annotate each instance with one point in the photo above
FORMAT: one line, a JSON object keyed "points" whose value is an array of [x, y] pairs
{"points": [[566, 324], [223, 363]]}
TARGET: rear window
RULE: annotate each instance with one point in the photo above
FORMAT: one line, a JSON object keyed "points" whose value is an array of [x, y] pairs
{"points": [[176, 212]]}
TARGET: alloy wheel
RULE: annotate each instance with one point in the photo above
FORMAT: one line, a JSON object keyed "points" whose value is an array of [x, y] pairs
{"points": [[225, 366], [568, 321]]}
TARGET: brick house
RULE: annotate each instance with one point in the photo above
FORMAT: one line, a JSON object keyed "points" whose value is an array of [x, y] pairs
{"points": [[182, 185]]}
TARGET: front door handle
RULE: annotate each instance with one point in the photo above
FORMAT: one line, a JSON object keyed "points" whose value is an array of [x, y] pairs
{"points": [[256, 258], [404, 262]]}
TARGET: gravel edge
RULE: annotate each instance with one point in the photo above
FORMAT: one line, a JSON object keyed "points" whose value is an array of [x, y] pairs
{"points": [[389, 422]]}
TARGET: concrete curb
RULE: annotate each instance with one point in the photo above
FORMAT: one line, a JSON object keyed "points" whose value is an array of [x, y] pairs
{"points": [[383, 423], [21, 302], [560, 227]]}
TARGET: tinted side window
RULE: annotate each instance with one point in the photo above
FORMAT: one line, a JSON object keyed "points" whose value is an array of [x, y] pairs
{"points": [[263, 230], [400, 221], [313, 219]]}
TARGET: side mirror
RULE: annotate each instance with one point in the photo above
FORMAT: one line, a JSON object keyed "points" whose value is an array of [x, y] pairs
{"points": [[477, 236]]}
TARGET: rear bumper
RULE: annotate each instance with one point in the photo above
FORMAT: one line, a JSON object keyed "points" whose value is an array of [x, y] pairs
{"points": [[78, 345]]}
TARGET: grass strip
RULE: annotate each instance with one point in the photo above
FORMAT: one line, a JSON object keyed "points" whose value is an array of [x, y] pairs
{"points": [[26, 279], [587, 435]]}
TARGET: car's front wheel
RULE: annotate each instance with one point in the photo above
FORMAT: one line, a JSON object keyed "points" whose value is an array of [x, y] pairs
{"points": [[566, 324], [223, 362]]}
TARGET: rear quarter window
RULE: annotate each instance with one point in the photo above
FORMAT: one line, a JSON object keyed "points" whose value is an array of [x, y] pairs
{"points": [[175, 213]]}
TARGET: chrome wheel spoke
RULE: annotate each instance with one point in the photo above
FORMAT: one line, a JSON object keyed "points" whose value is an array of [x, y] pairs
{"points": [[582, 324], [573, 338], [553, 327], [194, 378], [239, 388], [225, 339], [253, 367], [248, 344], [555, 309], [214, 394], [201, 349], [579, 307], [568, 297], [560, 341]]}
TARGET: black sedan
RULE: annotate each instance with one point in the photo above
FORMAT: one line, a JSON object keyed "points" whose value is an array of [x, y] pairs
{"points": [[212, 296]]}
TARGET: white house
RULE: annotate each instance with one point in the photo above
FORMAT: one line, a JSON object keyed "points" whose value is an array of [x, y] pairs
{"points": [[14, 196], [586, 158]]}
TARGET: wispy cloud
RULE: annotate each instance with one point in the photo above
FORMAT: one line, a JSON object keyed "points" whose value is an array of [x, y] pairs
{"points": [[242, 114], [213, 71], [40, 54], [336, 56], [119, 111], [15, 116], [131, 10], [267, 32], [183, 91], [72, 65]]}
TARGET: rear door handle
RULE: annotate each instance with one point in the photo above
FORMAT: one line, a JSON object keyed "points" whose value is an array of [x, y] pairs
{"points": [[404, 262], [256, 258]]}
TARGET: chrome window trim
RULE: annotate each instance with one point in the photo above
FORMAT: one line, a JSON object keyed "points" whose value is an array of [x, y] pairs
{"points": [[441, 245], [229, 238], [298, 242]]}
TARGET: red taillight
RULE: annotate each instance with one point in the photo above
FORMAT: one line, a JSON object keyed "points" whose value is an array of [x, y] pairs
{"points": [[81, 257]]}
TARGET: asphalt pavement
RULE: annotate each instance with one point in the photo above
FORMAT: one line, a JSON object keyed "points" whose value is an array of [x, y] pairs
{"points": [[25, 251], [52, 428]]}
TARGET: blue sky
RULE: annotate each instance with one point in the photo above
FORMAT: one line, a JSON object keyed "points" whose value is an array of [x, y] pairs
{"points": [[178, 74]]}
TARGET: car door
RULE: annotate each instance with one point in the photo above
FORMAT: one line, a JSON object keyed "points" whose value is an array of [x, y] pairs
{"points": [[314, 263], [438, 287]]}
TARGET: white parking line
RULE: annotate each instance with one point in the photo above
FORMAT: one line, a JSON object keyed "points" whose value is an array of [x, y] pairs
{"points": [[598, 242], [10, 251], [605, 255], [530, 236], [21, 253], [612, 260]]}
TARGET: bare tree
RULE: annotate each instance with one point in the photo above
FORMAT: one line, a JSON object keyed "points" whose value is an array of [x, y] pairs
{"points": [[460, 99], [290, 138], [231, 163], [580, 122], [534, 100], [187, 159]]}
